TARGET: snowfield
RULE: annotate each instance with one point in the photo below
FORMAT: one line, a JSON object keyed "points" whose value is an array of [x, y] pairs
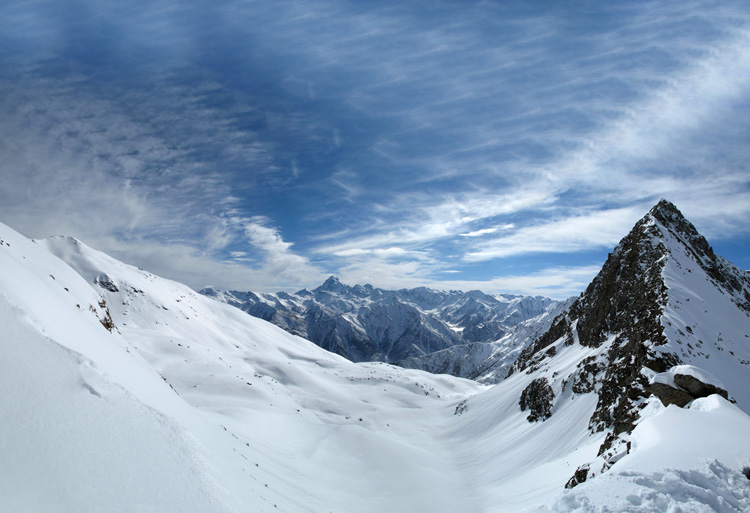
{"points": [[683, 460], [126, 392]]}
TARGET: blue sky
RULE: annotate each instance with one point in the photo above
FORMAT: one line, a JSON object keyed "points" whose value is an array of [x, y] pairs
{"points": [[504, 146]]}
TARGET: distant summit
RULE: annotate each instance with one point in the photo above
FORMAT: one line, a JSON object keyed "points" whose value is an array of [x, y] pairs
{"points": [[332, 284]]}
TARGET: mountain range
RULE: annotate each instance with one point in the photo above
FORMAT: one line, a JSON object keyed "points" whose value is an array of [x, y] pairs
{"points": [[126, 392], [406, 327]]}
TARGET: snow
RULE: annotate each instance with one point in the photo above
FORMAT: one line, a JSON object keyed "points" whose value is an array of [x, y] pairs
{"points": [[190, 404], [279, 422], [512, 463], [71, 438], [683, 460], [703, 324]]}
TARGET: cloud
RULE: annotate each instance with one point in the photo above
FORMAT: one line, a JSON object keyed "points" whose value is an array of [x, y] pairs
{"points": [[595, 230], [287, 268], [397, 140], [402, 225], [379, 252], [487, 231], [477, 233], [611, 131], [554, 282]]}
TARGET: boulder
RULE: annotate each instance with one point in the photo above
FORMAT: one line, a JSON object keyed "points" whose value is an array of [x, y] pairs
{"points": [[683, 383], [669, 395], [697, 388]]}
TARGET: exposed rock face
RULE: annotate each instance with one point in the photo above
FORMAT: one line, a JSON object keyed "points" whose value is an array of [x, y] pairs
{"points": [[538, 398], [106, 283], [579, 477], [363, 323], [697, 388], [669, 395], [625, 302]]}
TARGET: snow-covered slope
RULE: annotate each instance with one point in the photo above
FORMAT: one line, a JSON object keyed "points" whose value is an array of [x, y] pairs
{"points": [[287, 425], [363, 323], [88, 426]]}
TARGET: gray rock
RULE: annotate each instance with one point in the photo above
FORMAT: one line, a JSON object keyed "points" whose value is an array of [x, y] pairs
{"points": [[579, 477], [538, 397], [697, 388], [669, 395]]}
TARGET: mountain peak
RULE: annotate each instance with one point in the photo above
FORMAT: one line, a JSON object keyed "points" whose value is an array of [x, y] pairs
{"points": [[665, 208], [332, 284], [672, 219]]}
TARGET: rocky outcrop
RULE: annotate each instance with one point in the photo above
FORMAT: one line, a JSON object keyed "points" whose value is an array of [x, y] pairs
{"points": [[106, 283], [698, 388], [580, 476], [682, 384], [623, 304], [669, 395], [538, 398]]}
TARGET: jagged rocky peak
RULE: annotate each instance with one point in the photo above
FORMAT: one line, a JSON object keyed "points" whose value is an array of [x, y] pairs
{"points": [[722, 273], [661, 300], [671, 218]]}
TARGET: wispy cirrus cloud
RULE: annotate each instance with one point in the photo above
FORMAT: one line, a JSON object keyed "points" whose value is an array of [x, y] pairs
{"points": [[609, 134], [600, 229]]}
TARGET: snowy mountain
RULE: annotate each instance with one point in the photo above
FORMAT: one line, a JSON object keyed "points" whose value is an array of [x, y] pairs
{"points": [[664, 308], [126, 392], [363, 323]]}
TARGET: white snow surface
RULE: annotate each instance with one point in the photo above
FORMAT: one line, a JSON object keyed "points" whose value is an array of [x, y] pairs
{"points": [[682, 461], [704, 326], [191, 405]]}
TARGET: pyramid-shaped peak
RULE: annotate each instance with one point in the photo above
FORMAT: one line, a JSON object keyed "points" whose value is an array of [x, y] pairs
{"points": [[665, 207], [332, 284], [672, 219], [668, 214]]}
